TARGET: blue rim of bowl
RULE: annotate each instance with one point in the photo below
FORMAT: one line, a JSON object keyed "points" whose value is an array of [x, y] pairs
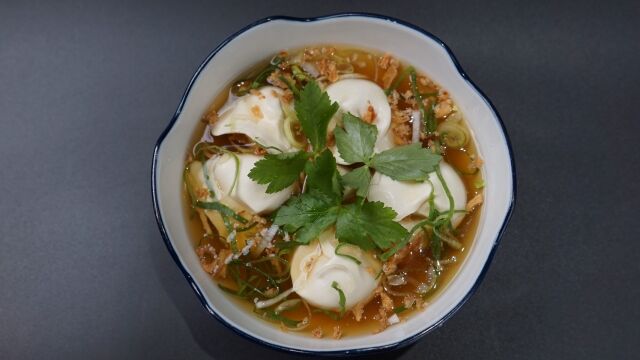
{"points": [[358, 351]]}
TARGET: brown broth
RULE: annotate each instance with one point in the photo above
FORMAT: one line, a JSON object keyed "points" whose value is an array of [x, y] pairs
{"points": [[460, 159]]}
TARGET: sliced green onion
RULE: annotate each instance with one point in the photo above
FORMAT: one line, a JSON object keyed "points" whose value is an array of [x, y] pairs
{"points": [[222, 209], [268, 147], [291, 85], [479, 184], [447, 239], [231, 291], [355, 259], [187, 184], [273, 316], [272, 301], [231, 239], [379, 274], [343, 300], [428, 115], [290, 118], [447, 192], [399, 309], [211, 147], [246, 228], [330, 314], [261, 78], [298, 73], [436, 246], [396, 82], [274, 279], [287, 305], [402, 243], [453, 134], [245, 284]]}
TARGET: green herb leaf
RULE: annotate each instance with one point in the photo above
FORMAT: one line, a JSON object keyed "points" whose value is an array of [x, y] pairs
{"points": [[368, 225], [278, 170], [355, 142], [307, 215], [323, 176], [314, 110], [358, 179], [408, 162], [343, 299]]}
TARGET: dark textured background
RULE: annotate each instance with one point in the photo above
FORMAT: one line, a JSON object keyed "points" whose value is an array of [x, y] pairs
{"points": [[85, 90]]}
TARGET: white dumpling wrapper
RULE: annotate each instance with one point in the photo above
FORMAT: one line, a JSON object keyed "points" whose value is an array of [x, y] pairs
{"points": [[315, 267], [404, 197], [258, 115], [355, 96], [221, 173]]}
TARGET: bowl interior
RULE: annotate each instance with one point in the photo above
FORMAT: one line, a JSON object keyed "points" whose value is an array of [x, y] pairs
{"points": [[408, 44]]}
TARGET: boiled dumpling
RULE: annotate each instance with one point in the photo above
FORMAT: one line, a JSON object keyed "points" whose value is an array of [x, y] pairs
{"points": [[258, 115], [404, 197], [409, 197], [457, 189], [355, 96], [220, 177], [316, 266]]}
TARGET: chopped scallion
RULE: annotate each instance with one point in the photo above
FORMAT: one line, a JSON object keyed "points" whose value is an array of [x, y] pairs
{"points": [[398, 80], [399, 309], [428, 115], [343, 300], [351, 257]]}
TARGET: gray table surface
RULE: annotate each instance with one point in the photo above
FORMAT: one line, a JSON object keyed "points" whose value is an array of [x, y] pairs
{"points": [[86, 88]]}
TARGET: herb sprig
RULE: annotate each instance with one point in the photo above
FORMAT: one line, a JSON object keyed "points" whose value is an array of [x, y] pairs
{"points": [[369, 225], [356, 145]]}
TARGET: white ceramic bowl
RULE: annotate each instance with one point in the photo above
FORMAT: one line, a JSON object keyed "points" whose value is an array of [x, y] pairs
{"points": [[261, 40]]}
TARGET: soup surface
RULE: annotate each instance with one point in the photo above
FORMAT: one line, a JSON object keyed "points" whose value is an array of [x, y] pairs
{"points": [[333, 190]]}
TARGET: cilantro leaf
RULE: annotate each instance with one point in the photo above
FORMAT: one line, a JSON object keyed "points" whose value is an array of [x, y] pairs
{"points": [[355, 142], [350, 231], [315, 110], [323, 176], [312, 230], [358, 179], [278, 170], [307, 215], [369, 225], [408, 162]]}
